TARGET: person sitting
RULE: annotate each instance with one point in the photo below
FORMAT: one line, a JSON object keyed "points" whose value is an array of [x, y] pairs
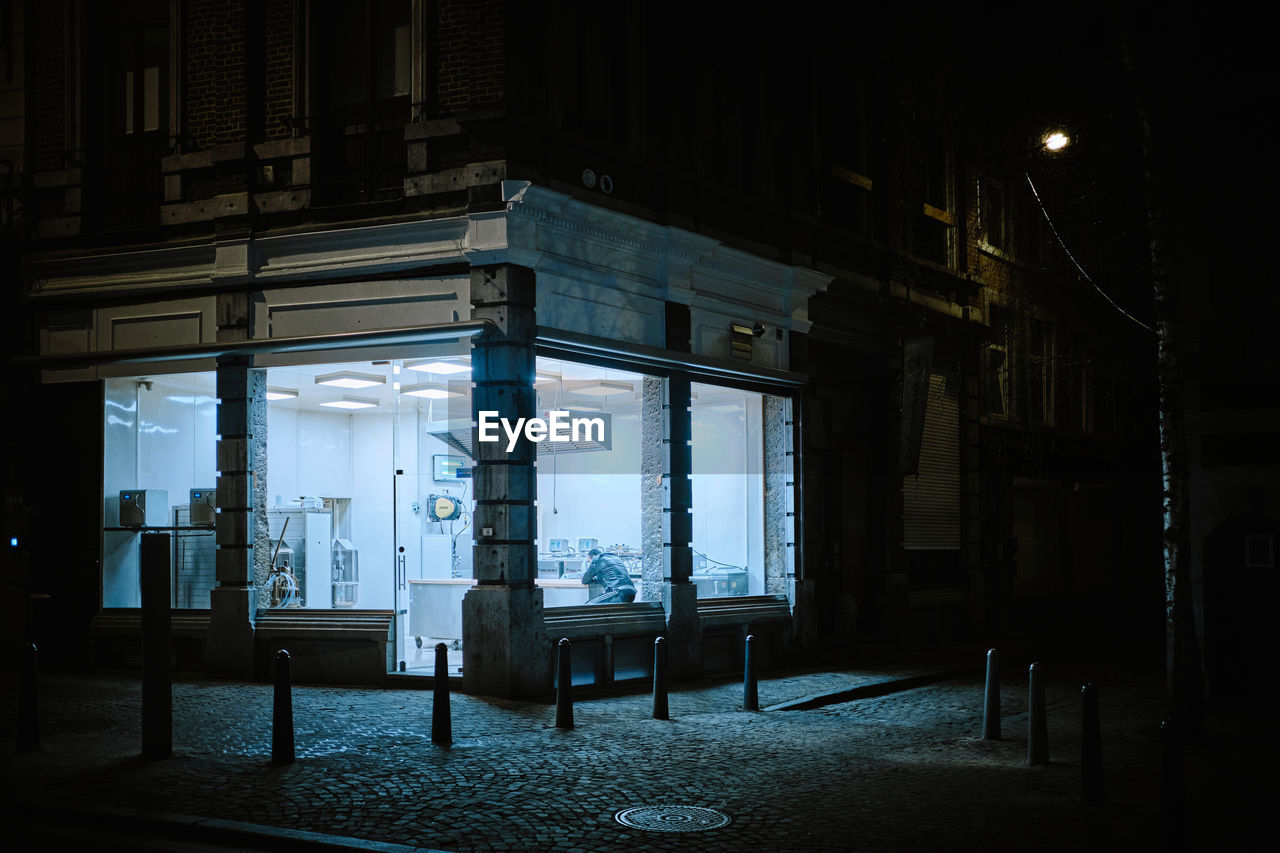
{"points": [[609, 571]]}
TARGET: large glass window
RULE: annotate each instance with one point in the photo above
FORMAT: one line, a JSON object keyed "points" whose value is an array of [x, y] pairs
{"points": [[329, 484], [741, 540], [369, 494], [158, 470], [603, 490]]}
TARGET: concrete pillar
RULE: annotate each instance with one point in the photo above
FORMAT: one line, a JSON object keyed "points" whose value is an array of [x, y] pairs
{"points": [[241, 411], [652, 499], [504, 644], [684, 630]]}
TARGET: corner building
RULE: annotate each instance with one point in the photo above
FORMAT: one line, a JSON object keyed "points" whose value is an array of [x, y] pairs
{"points": [[297, 246]]}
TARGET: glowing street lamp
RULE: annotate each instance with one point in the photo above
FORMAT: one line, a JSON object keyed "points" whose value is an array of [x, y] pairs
{"points": [[1055, 141]]}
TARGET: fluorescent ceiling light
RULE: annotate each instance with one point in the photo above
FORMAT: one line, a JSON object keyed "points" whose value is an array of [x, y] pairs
{"points": [[350, 379], [351, 403], [281, 394], [444, 368], [599, 387], [429, 391]]}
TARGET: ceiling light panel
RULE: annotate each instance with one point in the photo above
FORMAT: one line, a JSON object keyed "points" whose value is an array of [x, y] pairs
{"points": [[429, 391], [441, 367], [351, 403], [599, 388], [351, 379]]}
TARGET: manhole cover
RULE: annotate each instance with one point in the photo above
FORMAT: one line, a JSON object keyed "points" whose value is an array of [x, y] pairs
{"points": [[672, 818]]}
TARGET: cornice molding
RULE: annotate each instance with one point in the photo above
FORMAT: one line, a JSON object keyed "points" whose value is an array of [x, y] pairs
{"points": [[538, 228]]}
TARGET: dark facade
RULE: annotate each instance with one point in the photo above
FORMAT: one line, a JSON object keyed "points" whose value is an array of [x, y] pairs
{"points": [[856, 220]]}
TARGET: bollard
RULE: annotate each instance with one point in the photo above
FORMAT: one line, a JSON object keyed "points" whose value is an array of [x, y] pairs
{"points": [[1037, 729], [660, 680], [750, 697], [282, 713], [441, 720], [991, 705], [1090, 748], [29, 701], [564, 688], [1173, 798], [157, 681]]}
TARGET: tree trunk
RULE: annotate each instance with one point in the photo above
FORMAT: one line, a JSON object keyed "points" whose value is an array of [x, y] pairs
{"points": [[1184, 677]]}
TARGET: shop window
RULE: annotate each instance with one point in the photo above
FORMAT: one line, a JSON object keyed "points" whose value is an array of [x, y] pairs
{"points": [[330, 486], [743, 526], [602, 490], [158, 442]]}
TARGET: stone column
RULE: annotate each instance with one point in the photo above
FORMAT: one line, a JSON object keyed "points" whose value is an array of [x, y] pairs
{"points": [[241, 428], [652, 467], [777, 450], [684, 630], [505, 649]]}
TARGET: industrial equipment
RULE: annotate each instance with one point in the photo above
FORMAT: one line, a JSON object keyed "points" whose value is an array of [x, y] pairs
{"points": [[204, 503], [144, 508], [310, 537], [345, 573], [443, 508]]}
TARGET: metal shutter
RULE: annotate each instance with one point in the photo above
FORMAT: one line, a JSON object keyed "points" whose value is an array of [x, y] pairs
{"points": [[931, 499]]}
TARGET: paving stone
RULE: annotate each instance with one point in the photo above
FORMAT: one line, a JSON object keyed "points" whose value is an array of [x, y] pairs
{"points": [[907, 769]]}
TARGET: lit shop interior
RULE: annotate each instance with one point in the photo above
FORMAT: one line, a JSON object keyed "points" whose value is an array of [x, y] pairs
{"points": [[368, 488]]}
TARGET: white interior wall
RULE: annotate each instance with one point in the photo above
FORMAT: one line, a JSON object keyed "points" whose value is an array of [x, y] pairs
{"points": [[332, 455], [372, 511]]}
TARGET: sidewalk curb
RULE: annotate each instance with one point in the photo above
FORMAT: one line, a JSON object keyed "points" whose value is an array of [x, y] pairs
{"points": [[225, 831], [867, 691]]}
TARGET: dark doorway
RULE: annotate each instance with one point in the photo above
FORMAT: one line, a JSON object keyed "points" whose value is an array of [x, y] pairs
{"points": [[1240, 589]]}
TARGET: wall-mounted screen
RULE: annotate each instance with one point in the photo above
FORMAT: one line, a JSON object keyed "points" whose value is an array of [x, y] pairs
{"points": [[449, 467]]}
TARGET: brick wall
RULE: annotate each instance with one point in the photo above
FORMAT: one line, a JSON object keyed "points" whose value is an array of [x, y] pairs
{"points": [[279, 45], [471, 62], [216, 108], [46, 24]]}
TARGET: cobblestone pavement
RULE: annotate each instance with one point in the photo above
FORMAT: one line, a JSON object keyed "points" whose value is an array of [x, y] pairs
{"points": [[906, 770]]}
